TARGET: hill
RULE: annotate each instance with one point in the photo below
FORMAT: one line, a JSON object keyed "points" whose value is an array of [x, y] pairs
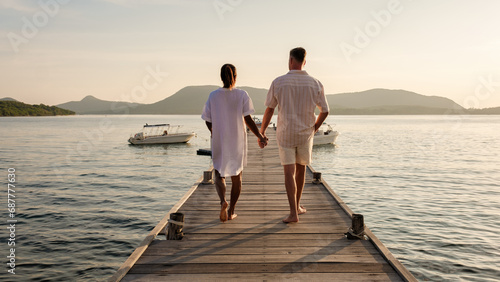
{"points": [[92, 105], [372, 102], [391, 102], [485, 111], [387, 97], [14, 108], [188, 100], [191, 99], [8, 99]]}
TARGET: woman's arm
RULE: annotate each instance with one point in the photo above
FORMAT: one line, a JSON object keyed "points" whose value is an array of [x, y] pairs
{"points": [[209, 125], [253, 127]]}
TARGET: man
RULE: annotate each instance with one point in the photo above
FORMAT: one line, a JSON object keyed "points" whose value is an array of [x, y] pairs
{"points": [[297, 95]]}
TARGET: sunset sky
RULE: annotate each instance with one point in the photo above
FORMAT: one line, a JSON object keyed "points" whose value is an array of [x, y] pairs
{"points": [[144, 51]]}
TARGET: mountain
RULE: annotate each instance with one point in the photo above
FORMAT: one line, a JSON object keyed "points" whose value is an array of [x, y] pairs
{"points": [[92, 105], [9, 99], [188, 100], [385, 98], [15, 108], [485, 111], [191, 99]]}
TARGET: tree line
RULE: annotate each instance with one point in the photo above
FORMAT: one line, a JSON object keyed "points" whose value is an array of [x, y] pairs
{"points": [[14, 108]]}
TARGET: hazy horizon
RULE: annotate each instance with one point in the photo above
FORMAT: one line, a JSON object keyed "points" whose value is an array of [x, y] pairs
{"points": [[56, 51]]}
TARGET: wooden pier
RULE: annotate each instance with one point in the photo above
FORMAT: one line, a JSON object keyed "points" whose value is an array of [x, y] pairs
{"points": [[257, 246]]}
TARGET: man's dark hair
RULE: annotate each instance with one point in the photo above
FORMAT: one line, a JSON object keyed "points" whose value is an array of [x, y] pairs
{"points": [[299, 54]]}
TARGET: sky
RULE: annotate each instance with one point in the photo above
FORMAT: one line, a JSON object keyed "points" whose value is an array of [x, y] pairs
{"points": [[55, 51]]}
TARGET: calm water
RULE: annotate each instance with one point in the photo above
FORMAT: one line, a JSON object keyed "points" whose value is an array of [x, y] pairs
{"points": [[429, 187]]}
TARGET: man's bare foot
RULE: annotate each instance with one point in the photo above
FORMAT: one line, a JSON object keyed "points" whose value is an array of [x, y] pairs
{"points": [[223, 212], [302, 210], [291, 219], [233, 216]]}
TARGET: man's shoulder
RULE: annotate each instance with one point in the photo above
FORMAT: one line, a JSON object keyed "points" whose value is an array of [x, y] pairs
{"points": [[307, 76], [310, 80], [294, 77], [281, 77]]}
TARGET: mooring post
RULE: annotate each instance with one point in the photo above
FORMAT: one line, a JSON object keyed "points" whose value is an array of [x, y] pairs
{"points": [[316, 178], [174, 226], [357, 230], [208, 177]]}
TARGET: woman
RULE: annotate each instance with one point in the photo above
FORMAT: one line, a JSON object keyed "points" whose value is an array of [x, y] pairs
{"points": [[225, 113]]}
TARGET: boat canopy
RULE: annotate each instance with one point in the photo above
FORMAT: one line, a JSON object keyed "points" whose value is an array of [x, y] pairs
{"points": [[156, 125]]}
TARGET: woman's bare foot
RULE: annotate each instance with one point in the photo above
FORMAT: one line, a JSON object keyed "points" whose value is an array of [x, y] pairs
{"points": [[223, 212], [232, 216], [302, 210], [291, 219]]}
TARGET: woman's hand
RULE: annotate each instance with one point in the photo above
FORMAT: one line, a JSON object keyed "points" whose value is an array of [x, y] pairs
{"points": [[263, 141]]}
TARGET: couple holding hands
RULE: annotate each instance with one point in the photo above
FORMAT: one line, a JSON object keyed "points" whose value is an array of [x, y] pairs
{"points": [[228, 109]]}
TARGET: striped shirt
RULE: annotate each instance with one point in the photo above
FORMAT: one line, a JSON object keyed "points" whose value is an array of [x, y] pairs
{"points": [[296, 94]]}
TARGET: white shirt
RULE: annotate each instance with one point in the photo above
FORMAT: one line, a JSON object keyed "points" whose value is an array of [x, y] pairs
{"points": [[296, 94], [226, 110]]}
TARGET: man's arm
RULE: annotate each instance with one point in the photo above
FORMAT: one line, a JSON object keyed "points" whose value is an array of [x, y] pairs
{"points": [[319, 121], [266, 120]]}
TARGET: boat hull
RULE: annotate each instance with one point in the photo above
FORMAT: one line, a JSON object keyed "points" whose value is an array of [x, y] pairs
{"points": [[169, 139], [325, 138]]}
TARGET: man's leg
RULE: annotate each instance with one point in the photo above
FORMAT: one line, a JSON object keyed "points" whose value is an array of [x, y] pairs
{"points": [[303, 157], [300, 172], [235, 194], [291, 192], [220, 186]]}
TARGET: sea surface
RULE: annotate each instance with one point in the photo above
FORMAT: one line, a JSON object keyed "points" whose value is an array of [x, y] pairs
{"points": [[428, 186]]}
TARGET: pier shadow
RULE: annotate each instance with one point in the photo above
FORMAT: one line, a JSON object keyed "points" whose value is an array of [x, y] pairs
{"points": [[208, 248], [310, 262]]}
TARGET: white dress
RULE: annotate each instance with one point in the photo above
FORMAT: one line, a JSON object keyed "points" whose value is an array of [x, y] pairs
{"points": [[226, 110]]}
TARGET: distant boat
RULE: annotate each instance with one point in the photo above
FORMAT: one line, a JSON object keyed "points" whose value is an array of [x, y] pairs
{"points": [[160, 134], [325, 135], [257, 121]]}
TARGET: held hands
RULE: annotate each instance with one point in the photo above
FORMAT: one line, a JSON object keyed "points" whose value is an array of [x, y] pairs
{"points": [[263, 141]]}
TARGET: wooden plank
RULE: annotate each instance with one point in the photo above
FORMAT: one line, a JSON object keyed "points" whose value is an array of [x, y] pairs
{"points": [[230, 249], [276, 217], [264, 230], [214, 268], [273, 199], [316, 204], [265, 277], [266, 258], [271, 236], [260, 242], [206, 206]]}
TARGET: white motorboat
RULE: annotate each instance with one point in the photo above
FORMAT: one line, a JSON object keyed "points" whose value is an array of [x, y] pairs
{"points": [[160, 134], [325, 135], [258, 123]]}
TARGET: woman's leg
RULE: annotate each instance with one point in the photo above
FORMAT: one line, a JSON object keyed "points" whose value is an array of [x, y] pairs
{"points": [[220, 186], [235, 194]]}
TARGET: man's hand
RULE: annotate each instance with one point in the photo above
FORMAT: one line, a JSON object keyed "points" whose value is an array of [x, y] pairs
{"points": [[263, 141]]}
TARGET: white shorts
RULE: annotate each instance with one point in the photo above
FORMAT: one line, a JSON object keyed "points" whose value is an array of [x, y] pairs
{"points": [[297, 155]]}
